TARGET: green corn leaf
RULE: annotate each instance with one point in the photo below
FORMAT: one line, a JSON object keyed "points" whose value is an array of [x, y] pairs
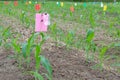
{"points": [[37, 75], [72, 33], [42, 35], [102, 53], [49, 78], [71, 14], [1, 28], [38, 50], [90, 35], [116, 64], [44, 38], [15, 45], [64, 14], [53, 27], [46, 65], [32, 38], [24, 47], [32, 47], [70, 37], [117, 45], [30, 43], [37, 58], [5, 31], [92, 20]]}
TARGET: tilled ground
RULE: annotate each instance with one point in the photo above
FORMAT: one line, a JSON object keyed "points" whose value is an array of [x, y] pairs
{"points": [[67, 64]]}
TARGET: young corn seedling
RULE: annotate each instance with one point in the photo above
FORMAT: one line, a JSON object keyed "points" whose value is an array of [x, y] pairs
{"points": [[69, 38], [92, 21], [111, 28], [117, 62], [38, 51], [9, 11], [89, 43], [27, 48], [53, 30], [41, 59], [37, 60], [117, 33], [64, 15], [37, 75], [117, 44], [22, 16], [71, 14], [46, 65], [61, 35], [5, 34], [27, 22], [5, 37], [101, 56], [17, 48], [79, 42]]}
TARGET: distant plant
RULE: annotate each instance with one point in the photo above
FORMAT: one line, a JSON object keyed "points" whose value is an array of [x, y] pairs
{"points": [[5, 37], [117, 62], [102, 55], [54, 32], [27, 22], [22, 16], [113, 31], [71, 14], [92, 21], [9, 11], [117, 33], [89, 44], [64, 15], [17, 48], [69, 38], [101, 58]]}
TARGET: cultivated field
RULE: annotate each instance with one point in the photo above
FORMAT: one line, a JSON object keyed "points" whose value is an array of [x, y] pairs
{"points": [[83, 44]]}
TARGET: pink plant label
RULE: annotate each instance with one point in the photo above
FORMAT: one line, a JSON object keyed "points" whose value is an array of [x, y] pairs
{"points": [[41, 22]]}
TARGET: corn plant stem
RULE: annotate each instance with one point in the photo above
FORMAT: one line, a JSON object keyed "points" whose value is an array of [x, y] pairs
{"points": [[55, 39], [20, 61], [28, 59], [87, 57]]}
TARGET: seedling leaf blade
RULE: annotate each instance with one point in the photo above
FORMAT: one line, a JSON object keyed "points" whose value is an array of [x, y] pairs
{"points": [[46, 65]]}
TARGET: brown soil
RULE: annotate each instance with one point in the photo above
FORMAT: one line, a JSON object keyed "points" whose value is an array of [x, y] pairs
{"points": [[67, 64], [9, 69], [71, 65]]}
